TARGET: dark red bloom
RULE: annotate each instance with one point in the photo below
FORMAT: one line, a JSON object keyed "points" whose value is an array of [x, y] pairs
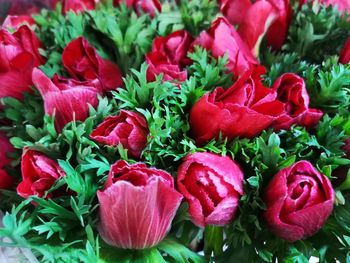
{"points": [[127, 128], [291, 90], [67, 100], [137, 206], [212, 185], [221, 39], [19, 54], [345, 53], [243, 110], [39, 173], [169, 56], [147, 6], [299, 200], [83, 63]]}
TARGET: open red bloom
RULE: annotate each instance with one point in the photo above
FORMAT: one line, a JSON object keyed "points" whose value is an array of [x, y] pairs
{"points": [[39, 173], [127, 128], [137, 206], [291, 90], [299, 200], [243, 110], [67, 100], [83, 63], [212, 186], [19, 54]]}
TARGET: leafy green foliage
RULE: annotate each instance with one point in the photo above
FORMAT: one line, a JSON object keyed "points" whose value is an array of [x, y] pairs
{"points": [[317, 32], [197, 15]]}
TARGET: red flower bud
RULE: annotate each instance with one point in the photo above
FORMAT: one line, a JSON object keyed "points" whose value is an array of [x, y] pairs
{"points": [[169, 56], [299, 200], [137, 206], [212, 185], [39, 173], [127, 128]]}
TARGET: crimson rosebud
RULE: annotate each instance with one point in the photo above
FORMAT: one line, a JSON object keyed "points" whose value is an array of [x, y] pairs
{"points": [[16, 22], [345, 53], [291, 90], [299, 200], [19, 54], [137, 205], [6, 147], [243, 110], [67, 100], [212, 185], [127, 128], [147, 6], [83, 63], [220, 39], [169, 56], [39, 173]]}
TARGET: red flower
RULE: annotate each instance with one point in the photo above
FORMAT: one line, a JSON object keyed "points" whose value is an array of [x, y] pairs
{"points": [[127, 128], [147, 6], [83, 63], [234, 10], [137, 206], [292, 92], [169, 56], [77, 5], [278, 31], [66, 99], [243, 110], [39, 173], [212, 185], [345, 53], [256, 22], [299, 200], [222, 38], [6, 181], [16, 22], [263, 16], [19, 54], [6, 147]]}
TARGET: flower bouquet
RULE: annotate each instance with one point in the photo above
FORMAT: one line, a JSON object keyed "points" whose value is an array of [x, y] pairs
{"points": [[175, 131]]}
